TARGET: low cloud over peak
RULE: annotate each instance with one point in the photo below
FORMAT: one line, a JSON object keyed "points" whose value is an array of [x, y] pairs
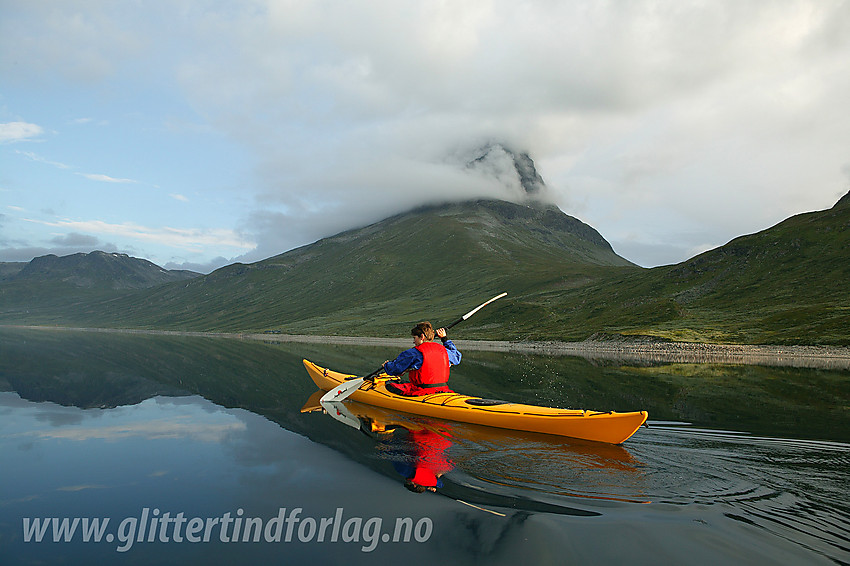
{"points": [[509, 167], [667, 126]]}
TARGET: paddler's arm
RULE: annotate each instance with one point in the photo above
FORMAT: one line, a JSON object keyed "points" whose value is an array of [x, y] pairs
{"points": [[451, 349], [409, 359]]}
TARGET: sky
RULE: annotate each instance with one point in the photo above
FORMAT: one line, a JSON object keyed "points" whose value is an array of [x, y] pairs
{"points": [[200, 133]]}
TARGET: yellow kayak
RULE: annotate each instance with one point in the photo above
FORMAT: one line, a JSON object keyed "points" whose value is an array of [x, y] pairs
{"points": [[610, 427]]}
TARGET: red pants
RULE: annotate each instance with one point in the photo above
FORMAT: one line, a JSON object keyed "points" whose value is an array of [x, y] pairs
{"points": [[413, 390]]}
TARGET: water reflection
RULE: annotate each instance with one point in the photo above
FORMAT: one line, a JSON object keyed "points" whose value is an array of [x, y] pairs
{"points": [[114, 423], [186, 457], [793, 489], [104, 370], [488, 465]]}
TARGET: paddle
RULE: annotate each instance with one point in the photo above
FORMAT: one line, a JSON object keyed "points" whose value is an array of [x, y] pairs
{"points": [[349, 387]]}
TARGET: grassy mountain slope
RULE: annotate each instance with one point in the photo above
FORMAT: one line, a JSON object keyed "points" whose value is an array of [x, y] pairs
{"points": [[9, 269], [61, 284], [95, 270], [786, 284], [436, 260]]}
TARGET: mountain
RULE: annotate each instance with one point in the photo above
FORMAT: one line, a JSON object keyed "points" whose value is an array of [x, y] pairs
{"points": [[500, 160], [98, 269], [376, 279], [10, 268], [789, 280], [843, 202], [785, 284], [49, 287]]}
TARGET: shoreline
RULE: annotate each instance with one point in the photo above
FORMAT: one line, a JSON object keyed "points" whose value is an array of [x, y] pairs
{"points": [[640, 350]]}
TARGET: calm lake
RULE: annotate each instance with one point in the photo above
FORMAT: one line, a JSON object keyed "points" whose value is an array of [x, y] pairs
{"points": [[145, 449]]}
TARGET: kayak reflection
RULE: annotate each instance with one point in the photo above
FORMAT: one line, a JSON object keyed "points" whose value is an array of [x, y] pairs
{"points": [[492, 466]]}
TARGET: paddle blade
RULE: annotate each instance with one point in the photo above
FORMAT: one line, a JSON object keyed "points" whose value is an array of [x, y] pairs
{"points": [[481, 306], [473, 311], [339, 412], [342, 391]]}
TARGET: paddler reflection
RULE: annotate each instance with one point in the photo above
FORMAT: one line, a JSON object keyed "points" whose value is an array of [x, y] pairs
{"points": [[417, 450], [421, 459]]}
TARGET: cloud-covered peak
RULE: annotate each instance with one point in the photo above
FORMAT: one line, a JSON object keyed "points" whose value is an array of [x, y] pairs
{"points": [[513, 169], [669, 127]]}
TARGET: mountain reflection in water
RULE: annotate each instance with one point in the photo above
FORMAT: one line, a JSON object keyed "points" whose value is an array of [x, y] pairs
{"points": [[760, 477]]}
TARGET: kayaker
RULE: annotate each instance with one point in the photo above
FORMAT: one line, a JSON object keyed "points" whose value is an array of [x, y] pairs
{"points": [[427, 363]]}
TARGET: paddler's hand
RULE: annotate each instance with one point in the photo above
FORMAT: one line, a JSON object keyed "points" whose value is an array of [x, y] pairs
{"points": [[441, 333]]}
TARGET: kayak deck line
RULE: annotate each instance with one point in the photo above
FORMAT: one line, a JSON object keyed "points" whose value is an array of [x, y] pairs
{"points": [[433, 398], [600, 426], [429, 399]]}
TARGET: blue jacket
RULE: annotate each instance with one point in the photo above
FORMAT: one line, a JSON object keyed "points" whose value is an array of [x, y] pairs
{"points": [[412, 359]]}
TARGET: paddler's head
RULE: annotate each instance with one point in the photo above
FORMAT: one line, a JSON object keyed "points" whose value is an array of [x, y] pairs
{"points": [[422, 332]]}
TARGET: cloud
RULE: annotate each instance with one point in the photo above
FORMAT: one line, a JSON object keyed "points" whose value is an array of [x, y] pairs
{"points": [[105, 178], [654, 121], [75, 239], [39, 159], [205, 267], [179, 197], [190, 239], [698, 110], [83, 42], [61, 245], [11, 132], [26, 253], [90, 176], [178, 426]]}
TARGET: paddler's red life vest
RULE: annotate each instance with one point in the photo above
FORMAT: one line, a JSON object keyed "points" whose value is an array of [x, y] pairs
{"points": [[435, 365]]}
